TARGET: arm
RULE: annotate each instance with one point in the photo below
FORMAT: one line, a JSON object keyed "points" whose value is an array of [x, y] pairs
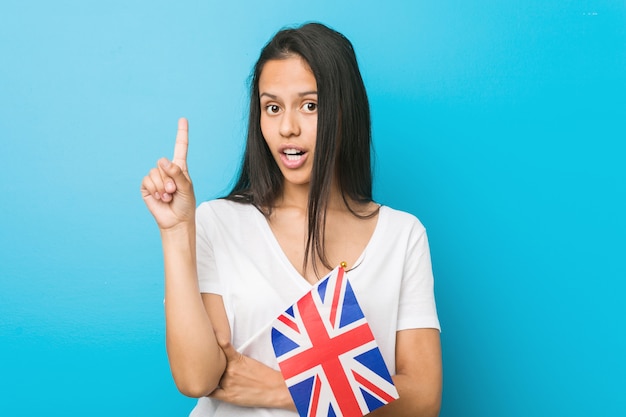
{"points": [[418, 348], [418, 376], [250, 383], [246, 382], [196, 360]]}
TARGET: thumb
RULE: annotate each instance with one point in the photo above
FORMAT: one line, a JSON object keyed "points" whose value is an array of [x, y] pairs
{"points": [[176, 173]]}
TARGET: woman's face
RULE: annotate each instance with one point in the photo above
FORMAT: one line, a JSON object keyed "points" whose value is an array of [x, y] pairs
{"points": [[288, 98]]}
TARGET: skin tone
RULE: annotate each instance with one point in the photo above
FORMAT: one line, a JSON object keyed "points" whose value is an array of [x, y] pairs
{"points": [[202, 360], [288, 94]]}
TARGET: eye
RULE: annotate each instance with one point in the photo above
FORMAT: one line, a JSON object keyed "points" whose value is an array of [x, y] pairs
{"points": [[272, 109], [310, 107]]}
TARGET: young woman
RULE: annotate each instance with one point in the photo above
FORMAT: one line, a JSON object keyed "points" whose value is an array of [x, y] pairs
{"points": [[301, 206]]}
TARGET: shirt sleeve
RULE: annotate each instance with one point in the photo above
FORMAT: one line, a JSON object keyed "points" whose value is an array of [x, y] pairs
{"points": [[417, 307], [208, 277]]}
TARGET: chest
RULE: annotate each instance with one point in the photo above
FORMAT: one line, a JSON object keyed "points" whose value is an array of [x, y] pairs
{"points": [[344, 240]]}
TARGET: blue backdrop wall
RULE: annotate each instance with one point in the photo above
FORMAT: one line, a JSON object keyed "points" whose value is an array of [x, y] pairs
{"points": [[501, 124]]}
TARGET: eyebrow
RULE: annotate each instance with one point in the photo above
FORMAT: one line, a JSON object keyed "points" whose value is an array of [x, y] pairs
{"points": [[273, 97]]}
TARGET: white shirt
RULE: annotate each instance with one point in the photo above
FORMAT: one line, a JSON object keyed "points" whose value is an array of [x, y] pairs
{"points": [[240, 259]]}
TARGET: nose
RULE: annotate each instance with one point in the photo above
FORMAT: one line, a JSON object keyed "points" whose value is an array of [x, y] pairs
{"points": [[289, 124]]}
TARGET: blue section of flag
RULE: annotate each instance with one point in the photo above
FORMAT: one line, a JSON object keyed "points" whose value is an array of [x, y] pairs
{"points": [[350, 311], [373, 360], [372, 402], [301, 394], [282, 344]]}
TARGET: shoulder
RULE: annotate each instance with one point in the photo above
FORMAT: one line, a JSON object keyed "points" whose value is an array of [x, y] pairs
{"points": [[400, 220], [223, 208], [226, 213]]}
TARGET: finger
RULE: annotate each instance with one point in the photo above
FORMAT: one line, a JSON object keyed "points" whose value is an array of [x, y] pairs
{"points": [[173, 177], [218, 393], [147, 187], [182, 143], [169, 185], [155, 183], [230, 352]]}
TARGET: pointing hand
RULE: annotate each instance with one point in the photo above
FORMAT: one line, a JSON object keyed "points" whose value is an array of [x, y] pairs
{"points": [[167, 189]]}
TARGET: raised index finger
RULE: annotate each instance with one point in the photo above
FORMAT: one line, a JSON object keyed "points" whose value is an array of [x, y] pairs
{"points": [[182, 143]]}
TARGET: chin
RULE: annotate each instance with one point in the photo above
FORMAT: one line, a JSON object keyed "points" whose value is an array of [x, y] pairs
{"points": [[297, 181]]}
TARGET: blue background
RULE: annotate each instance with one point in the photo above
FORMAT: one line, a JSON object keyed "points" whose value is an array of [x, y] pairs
{"points": [[500, 124]]}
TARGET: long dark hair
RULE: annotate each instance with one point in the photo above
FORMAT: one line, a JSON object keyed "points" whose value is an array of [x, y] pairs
{"points": [[342, 149]]}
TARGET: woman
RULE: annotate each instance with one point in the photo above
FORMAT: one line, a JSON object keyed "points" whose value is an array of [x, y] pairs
{"points": [[302, 205]]}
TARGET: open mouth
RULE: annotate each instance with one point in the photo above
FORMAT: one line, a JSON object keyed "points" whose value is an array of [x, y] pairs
{"points": [[293, 154]]}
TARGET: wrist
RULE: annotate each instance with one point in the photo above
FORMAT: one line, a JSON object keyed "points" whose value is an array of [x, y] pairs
{"points": [[179, 230], [181, 237]]}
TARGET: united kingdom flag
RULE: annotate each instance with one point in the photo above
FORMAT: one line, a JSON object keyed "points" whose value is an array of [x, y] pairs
{"points": [[328, 355]]}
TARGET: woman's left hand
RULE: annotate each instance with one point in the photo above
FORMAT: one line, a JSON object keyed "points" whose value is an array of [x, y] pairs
{"points": [[249, 383]]}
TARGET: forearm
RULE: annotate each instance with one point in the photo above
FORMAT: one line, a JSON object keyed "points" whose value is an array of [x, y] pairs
{"points": [[419, 375], [415, 400], [196, 360]]}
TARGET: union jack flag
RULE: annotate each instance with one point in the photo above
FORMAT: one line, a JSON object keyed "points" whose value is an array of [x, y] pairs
{"points": [[328, 355]]}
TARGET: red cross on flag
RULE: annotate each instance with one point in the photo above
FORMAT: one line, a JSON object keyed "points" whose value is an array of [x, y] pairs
{"points": [[328, 355]]}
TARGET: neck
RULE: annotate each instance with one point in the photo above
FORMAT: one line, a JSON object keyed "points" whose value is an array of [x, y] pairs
{"points": [[298, 196], [294, 196]]}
